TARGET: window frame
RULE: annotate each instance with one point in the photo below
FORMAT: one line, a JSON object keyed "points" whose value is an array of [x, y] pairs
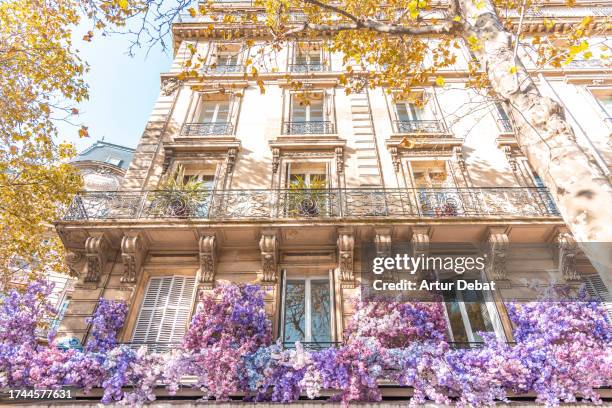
{"points": [[307, 278]]}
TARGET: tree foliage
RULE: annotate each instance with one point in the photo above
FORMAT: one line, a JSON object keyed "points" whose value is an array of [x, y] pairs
{"points": [[40, 74]]}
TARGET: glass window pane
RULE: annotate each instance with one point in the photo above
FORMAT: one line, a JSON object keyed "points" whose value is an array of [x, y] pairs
{"points": [[320, 314], [402, 112], [298, 111], [223, 112], [457, 326], [295, 311], [316, 110]]}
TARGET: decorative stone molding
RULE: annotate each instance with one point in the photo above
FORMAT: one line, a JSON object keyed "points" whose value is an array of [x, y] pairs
{"points": [[511, 157], [384, 245], [383, 242], [567, 249], [268, 245], [458, 153], [231, 159], [339, 152], [420, 240], [96, 248], [208, 260], [133, 250], [72, 259], [346, 249], [395, 158], [275, 160], [170, 85], [496, 251]]}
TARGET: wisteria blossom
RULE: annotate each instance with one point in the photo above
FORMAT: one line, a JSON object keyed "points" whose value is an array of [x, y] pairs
{"points": [[562, 352]]}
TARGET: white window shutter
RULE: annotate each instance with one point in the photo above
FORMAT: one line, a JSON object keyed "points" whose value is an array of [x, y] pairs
{"points": [[596, 289], [165, 309]]}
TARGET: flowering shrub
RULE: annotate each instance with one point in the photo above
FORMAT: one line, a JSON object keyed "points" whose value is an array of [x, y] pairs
{"points": [[106, 321], [563, 351]]}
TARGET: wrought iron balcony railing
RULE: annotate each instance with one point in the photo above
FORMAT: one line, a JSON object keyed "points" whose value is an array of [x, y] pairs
{"points": [[304, 67], [310, 203], [207, 129], [420, 126], [505, 125], [311, 127], [226, 69]]}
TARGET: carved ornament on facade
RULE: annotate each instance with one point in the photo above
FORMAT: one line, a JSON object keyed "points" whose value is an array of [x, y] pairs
{"points": [[208, 260], [420, 241], [96, 248], [567, 249], [133, 250], [384, 246], [170, 85], [275, 160], [72, 259], [458, 152], [346, 249], [339, 159], [268, 245], [231, 159], [511, 157], [497, 248], [395, 158]]}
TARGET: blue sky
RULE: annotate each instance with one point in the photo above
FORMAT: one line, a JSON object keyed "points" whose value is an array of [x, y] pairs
{"points": [[122, 90]]}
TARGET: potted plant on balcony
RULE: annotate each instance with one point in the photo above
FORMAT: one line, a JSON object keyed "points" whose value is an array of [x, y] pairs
{"points": [[179, 196], [307, 199]]}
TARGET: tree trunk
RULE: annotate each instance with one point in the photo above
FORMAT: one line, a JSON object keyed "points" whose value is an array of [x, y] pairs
{"points": [[579, 187]]}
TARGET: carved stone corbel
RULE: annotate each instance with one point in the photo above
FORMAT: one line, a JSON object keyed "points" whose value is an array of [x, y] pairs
{"points": [[268, 244], [208, 260], [567, 249], [458, 152], [497, 248], [384, 246], [511, 157], [420, 241], [231, 159], [346, 248], [72, 259], [339, 159], [275, 160], [96, 248], [170, 85], [133, 250], [395, 158]]}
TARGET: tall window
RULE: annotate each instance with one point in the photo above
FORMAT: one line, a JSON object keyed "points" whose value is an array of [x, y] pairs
{"points": [[211, 116], [407, 111], [205, 178], [308, 114], [435, 192], [307, 57], [212, 111], [307, 310], [227, 58], [165, 310], [306, 195], [416, 118], [470, 314]]}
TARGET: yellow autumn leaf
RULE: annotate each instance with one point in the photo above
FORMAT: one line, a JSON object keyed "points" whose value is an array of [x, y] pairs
{"points": [[549, 24], [191, 11], [123, 4], [512, 69], [440, 81]]}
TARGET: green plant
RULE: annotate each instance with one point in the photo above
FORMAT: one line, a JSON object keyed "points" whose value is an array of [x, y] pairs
{"points": [[179, 196], [307, 199]]}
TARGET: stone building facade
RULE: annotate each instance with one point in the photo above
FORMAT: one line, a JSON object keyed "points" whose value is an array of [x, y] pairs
{"points": [[291, 191]]}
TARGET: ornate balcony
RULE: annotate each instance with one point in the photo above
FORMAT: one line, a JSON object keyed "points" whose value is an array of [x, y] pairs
{"points": [[303, 67], [420, 126], [313, 204], [207, 129], [226, 69], [312, 127]]}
